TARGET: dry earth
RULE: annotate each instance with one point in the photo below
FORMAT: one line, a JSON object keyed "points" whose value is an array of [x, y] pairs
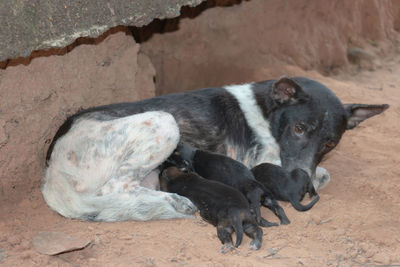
{"points": [[354, 224]]}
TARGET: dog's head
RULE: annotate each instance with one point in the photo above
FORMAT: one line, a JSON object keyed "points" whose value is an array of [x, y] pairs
{"points": [[309, 121]]}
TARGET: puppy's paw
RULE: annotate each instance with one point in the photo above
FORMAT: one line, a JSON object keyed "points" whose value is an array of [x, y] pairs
{"points": [[227, 247], [182, 204], [322, 178], [255, 244], [285, 221], [264, 223]]}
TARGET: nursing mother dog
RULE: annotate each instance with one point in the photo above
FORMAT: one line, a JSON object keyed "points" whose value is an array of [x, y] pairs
{"points": [[102, 164]]}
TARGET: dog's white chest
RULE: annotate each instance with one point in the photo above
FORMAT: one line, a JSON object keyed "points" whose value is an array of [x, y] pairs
{"points": [[270, 151]]}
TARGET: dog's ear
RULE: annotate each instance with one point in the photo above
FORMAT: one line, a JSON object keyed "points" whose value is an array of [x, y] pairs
{"points": [[286, 90], [356, 113]]}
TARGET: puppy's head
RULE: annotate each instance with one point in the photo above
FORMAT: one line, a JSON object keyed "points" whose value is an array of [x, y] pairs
{"points": [[181, 158], [171, 173], [302, 178], [267, 172], [167, 175]]}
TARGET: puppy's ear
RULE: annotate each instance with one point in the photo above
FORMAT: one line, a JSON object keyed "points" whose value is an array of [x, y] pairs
{"points": [[163, 179], [311, 190], [356, 113], [286, 90]]}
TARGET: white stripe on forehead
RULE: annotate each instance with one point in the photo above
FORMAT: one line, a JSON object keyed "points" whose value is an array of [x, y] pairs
{"points": [[258, 124]]}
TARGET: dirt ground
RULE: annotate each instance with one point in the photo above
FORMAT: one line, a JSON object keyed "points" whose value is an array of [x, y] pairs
{"points": [[354, 224]]}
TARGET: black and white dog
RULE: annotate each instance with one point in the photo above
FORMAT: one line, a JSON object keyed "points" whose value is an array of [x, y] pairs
{"points": [[102, 163]]}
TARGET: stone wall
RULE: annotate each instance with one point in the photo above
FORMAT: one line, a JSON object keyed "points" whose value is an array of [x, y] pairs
{"points": [[36, 98], [26, 26], [251, 40]]}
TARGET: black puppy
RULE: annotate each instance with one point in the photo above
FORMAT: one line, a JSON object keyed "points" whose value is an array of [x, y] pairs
{"points": [[286, 186], [217, 167], [219, 204]]}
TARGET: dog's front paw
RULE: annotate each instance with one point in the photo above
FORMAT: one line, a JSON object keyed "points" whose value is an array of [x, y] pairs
{"points": [[182, 204], [322, 178]]}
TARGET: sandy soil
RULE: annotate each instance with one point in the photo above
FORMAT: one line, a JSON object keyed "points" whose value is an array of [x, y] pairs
{"points": [[354, 224]]}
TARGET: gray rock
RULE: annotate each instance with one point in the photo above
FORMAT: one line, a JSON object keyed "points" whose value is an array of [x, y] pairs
{"points": [[26, 26]]}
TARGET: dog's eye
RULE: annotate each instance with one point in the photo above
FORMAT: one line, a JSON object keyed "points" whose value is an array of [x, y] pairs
{"points": [[330, 144], [299, 129]]}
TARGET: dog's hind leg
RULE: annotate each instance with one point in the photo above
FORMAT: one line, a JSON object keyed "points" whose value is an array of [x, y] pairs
{"points": [[96, 169], [142, 204], [225, 236], [273, 205], [255, 203], [255, 233], [255, 210]]}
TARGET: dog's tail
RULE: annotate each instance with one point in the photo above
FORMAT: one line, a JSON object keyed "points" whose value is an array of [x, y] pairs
{"points": [[236, 222], [298, 206]]}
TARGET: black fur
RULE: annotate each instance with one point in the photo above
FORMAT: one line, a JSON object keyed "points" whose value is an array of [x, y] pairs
{"points": [[286, 186], [217, 167], [214, 117], [211, 119], [219, 204]]}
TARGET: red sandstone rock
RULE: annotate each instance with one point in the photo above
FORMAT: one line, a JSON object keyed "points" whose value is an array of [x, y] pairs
{"points": [[52, 243], [36, 98], [231, 44]]}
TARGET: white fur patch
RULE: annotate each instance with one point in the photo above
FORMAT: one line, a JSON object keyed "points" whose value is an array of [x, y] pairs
{"points": [[97, 167], [258, 124]]}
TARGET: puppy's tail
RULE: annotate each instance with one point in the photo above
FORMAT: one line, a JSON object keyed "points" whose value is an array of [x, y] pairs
{"points": [[298, 206], [236, 222]]}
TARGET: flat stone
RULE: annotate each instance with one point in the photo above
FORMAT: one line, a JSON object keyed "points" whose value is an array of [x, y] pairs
{"points": [[52, 243]]}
